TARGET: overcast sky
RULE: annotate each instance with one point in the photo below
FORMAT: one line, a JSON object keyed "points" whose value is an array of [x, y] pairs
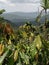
{"points": [[20, 5]]}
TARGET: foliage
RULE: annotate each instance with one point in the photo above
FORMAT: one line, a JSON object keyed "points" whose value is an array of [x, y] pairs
{"points": [[45, 6], [1, 11], [24, 46]]}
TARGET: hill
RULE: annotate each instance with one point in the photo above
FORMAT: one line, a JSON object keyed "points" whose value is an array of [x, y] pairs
{"points": [[19, 18]]}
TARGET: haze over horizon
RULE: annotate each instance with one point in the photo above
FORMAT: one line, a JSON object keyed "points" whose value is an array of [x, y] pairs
{"points": [[20, 5]]}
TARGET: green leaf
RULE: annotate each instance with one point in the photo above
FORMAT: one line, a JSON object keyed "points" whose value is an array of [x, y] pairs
{"points": [[38, 42], [3, 57], [24, 57], [33, 50], [19, 63], [34, 63]]}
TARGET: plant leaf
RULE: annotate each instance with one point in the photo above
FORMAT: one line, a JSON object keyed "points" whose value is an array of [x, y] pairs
{"points": [[3, 57]]}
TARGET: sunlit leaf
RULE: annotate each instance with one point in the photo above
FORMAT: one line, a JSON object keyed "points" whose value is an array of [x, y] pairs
{"points": [[38, 42], [15, 55], [1, 49]]}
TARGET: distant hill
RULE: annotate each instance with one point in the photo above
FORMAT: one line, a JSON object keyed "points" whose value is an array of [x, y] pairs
{"points": [[20, 15], [19, 18]]}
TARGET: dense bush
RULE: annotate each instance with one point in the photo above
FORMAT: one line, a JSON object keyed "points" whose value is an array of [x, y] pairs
{"points": [[27, 45]]}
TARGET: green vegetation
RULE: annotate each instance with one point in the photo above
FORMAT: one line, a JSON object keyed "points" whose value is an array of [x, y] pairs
{"points": [[45, 5], [26, 45]]}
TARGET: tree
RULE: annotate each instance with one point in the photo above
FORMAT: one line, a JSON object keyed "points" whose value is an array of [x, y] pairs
{"points": [[39, 16], [1, 12], [45, 6]]}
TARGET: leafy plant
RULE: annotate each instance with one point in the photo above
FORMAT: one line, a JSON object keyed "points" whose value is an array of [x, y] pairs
{"points": [[23, 47]]}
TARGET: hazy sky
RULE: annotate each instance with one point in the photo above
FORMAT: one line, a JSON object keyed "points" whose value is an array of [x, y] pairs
{"points": [[20, 5]]}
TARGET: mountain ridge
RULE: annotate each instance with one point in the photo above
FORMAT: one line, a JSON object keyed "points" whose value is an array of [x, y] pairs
{"points": [[19, 18]]}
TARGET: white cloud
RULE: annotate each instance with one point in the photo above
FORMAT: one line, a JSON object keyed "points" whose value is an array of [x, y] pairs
{"points": [[12, 4], [25, 1], [7, 2], [4, 1], [22, 7]]}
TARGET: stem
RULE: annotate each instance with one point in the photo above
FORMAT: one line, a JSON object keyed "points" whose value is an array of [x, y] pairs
{"points": [[45, 16]]}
